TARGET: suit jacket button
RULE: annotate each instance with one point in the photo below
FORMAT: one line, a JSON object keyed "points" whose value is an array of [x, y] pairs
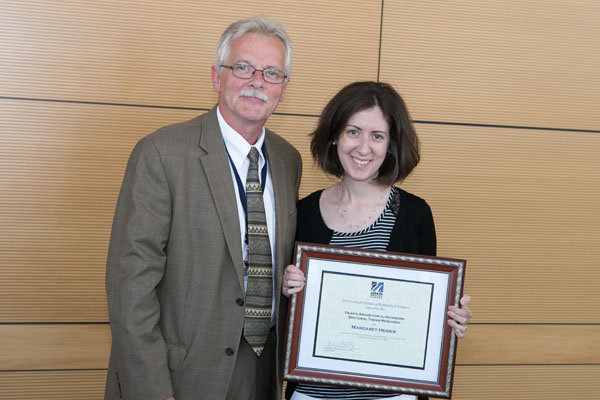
{"points": [[239, 302], [229, 351]]}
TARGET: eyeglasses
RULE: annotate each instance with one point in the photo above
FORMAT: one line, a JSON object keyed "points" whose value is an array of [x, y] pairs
{"points": [[245, 71]]}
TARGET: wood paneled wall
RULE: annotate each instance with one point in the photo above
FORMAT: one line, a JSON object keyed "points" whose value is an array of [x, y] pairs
{"points": [[506, 100]]}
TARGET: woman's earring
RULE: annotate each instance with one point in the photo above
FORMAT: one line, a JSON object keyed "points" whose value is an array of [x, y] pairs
{"points": [[334, 142]]}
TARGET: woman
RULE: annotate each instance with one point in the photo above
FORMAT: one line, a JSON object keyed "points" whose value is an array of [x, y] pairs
{"points": [[365, 137]]}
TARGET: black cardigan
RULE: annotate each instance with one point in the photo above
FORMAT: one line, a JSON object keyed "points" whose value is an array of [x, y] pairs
{"points": [[413, 232]]}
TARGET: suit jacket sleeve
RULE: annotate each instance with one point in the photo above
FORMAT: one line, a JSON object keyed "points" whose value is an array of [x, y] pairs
{"points": [[135, 266]]}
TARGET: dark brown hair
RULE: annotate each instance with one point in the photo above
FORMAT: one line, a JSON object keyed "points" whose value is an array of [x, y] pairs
{"points": [[403, 151]]}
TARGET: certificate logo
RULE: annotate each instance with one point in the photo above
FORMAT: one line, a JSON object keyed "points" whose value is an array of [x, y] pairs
{"points": [[376, 290]]}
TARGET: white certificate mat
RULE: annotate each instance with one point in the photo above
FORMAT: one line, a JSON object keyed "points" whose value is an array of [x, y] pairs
{"points": [[374, 320], [334, 288]]}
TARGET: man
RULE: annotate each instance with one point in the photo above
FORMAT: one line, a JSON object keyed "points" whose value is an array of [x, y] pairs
{"points": [[183, 255]]}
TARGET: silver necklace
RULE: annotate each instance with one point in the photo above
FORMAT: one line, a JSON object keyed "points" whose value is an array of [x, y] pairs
{"points": [[369, 218]]}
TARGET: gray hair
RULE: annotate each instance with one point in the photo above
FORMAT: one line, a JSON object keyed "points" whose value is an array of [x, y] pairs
{"points": [[254, 24]]}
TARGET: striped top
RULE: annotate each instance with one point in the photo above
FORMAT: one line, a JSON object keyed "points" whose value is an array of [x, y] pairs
{"points": [[375, 237]]}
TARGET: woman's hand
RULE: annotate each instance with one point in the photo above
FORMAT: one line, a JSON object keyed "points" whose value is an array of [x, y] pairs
{"points": [[293, 280], [459, 317]]}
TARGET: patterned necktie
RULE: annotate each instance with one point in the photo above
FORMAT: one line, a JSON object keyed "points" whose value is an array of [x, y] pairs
{"points": [[259, 288]]}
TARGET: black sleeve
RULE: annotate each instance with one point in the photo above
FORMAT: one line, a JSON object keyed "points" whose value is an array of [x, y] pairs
{"points": [[427, 236]]}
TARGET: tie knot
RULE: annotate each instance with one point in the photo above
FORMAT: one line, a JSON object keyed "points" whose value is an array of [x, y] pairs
{"points": [[253, 155]]}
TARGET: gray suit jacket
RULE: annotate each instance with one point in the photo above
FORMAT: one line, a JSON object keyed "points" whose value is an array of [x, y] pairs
{"points": [[174, 270]]}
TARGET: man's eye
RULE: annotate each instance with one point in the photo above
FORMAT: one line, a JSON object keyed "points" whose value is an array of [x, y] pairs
{"points": [[271, 72], [242, 67]]}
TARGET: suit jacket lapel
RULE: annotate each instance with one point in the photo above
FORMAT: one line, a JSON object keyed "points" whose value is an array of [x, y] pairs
{"points": [[277, 167], [216, 167]]}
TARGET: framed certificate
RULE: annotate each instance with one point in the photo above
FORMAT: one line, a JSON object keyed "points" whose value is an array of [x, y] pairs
{"points": [[374, 320]]}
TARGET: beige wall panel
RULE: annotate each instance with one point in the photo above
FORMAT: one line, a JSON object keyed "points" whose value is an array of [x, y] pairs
{"points": [[526, 382], [63, 385], [523, 207], [67, 347], [54, 347], [160, 53], [61, 167], [518, 63], [530, 344], [470, 383]]}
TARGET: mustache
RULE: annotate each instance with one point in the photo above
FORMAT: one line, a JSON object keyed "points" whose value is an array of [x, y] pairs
{"points": [[254, 93]]}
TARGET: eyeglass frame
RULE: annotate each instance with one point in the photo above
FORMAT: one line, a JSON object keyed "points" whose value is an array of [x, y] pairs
{"points": [[262, 72]]}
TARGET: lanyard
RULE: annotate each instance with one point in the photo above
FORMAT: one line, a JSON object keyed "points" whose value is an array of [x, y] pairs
{"points": [[242, 189]]}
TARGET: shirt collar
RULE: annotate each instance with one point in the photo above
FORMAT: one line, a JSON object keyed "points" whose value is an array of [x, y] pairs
{"points": [[237, 147]]}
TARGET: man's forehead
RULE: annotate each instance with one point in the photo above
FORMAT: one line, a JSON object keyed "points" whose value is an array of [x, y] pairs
{"points": [[267, 47]]}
